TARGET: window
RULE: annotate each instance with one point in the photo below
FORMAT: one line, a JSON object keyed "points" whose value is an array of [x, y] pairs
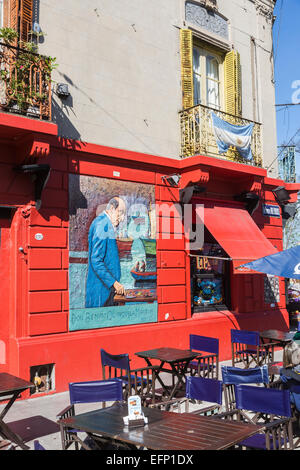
{"points": [[207, 72], [210, 281], [209, 77]]}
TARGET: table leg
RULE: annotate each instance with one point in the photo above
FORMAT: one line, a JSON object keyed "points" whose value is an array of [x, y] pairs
{"points": [[179, 371], [165, 388], [5, 430], [6, 433]]}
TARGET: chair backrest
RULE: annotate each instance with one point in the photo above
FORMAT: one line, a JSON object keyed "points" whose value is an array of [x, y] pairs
{"points": [[236, 375], [204, 343], [96, 391], [199, 388], [38, 446], [118, 361], [245, 337], [264, 400]]}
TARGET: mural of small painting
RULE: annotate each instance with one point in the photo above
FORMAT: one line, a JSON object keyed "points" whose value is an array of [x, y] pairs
{"points": [[112, 264]]}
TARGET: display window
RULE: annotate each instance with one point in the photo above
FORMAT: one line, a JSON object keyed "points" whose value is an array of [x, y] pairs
{"points": [[210, 277]]}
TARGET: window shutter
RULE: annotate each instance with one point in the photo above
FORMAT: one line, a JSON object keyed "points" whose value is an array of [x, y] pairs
{"points": [[186, 51], [233, 83], [21, 18], [26, 9], [14, 13]]}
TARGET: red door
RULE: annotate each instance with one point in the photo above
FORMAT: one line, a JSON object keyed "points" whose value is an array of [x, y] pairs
{"points": [[4, 285]]}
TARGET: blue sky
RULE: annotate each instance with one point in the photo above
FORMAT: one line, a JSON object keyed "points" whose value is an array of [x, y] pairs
{"points": [[286, 35]]}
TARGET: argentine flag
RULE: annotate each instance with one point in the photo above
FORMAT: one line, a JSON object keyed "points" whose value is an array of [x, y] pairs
{"points": [[231, 135]]}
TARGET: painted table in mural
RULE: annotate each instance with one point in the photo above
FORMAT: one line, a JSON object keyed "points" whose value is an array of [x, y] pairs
{"points": [[10, 389], [136, 295], [177, 360]]}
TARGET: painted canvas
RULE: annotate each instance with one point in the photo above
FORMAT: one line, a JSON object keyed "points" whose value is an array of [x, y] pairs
{"points": [[112, 265]]}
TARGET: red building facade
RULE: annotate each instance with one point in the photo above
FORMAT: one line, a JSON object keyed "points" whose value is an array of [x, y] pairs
{"points": [[34, 253]]}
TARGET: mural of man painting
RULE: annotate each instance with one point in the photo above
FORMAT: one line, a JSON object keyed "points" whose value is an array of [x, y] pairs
{"points": [[104, 269]]}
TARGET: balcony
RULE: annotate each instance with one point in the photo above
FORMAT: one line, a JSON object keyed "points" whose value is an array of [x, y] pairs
{"points": [[197, 135], [25, 82]]}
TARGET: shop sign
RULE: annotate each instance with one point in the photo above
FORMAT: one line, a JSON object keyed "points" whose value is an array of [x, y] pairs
{"points": [[269, 210]]}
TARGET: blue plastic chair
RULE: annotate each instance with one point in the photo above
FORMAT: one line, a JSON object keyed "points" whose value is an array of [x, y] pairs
{"points": [[98, 391], [247, 349], [232, 376], [207, 365], [136, 381], [272, 408]]}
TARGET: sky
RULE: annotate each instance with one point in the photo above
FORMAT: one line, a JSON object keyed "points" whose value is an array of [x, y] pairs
{"points": [[286, 34]]}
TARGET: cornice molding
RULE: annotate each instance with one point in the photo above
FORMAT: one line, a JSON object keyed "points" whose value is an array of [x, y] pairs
{"points": [[265, 8]]}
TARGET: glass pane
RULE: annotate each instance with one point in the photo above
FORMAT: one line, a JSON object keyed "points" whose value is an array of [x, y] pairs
{"points": [[212, 68], [197, 89], [196, 60], [213, 96], [212, 82], [197, 75]]}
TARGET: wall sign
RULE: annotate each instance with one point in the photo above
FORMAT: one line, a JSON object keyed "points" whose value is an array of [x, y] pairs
{"points": [[269, 210], [39, 236]]}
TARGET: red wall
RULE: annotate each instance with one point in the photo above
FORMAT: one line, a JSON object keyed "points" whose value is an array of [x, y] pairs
{"points": [[36, 296]]}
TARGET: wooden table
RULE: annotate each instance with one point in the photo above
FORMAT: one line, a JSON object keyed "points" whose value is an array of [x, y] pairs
{"points": [[276, 336], [164, 431], [10, 388], [178, 360]]}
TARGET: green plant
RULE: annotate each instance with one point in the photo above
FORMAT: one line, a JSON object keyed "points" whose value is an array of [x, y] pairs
{"points": [[27, 74], [8, 35]]}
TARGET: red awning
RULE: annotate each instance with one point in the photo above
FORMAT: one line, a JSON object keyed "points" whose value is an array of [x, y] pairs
{"points": [[237, 233]]}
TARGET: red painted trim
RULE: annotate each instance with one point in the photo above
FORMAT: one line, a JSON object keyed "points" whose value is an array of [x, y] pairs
{"points": [[28, 124]]}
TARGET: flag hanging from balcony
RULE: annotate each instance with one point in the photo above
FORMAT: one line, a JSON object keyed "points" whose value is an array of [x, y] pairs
{"points": [[228, 135]]}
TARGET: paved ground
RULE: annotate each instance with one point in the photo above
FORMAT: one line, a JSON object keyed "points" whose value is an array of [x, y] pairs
{"points": [[36, 418]]}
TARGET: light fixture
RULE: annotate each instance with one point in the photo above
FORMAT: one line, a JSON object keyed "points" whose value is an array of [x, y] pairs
{"points": [[62, 90], [186, 194], [173, 180], [281, 195], [251, 200], [39, 175]]}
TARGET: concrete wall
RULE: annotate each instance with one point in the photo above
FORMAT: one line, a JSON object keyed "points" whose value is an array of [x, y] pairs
{"points": [[121, 60]]}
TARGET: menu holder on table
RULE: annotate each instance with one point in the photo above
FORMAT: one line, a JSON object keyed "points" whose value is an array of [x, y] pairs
{"points": [[135, 416]]}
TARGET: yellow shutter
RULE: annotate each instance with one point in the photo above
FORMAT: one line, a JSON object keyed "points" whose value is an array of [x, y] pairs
{"points": [[233, 83], [186, 51]]}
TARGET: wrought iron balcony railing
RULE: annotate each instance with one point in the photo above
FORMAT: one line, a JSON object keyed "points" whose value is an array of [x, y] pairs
{"points": [[25, 82], [197, 135]]}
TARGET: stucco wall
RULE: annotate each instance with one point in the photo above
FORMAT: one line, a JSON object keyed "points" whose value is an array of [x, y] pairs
{"points": [[121, 60]]}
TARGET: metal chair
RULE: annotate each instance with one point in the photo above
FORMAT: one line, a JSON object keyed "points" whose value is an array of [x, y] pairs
{"points": [[136, 381], [232, 376], [271, 407], [206, 365], [99, 391], [247, 349]]}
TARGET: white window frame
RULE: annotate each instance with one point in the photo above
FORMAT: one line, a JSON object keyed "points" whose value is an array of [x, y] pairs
{"points": [[201, 75]]}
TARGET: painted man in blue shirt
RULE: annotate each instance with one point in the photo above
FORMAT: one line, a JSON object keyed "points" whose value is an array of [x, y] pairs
{"points": [[104, 270]]}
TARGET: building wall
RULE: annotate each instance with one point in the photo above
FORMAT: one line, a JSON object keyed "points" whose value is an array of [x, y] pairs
{"points": [[121, 61], [37, 295]]}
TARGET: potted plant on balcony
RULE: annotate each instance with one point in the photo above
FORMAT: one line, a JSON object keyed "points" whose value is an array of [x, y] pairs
{"points": [[26, 76]]}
